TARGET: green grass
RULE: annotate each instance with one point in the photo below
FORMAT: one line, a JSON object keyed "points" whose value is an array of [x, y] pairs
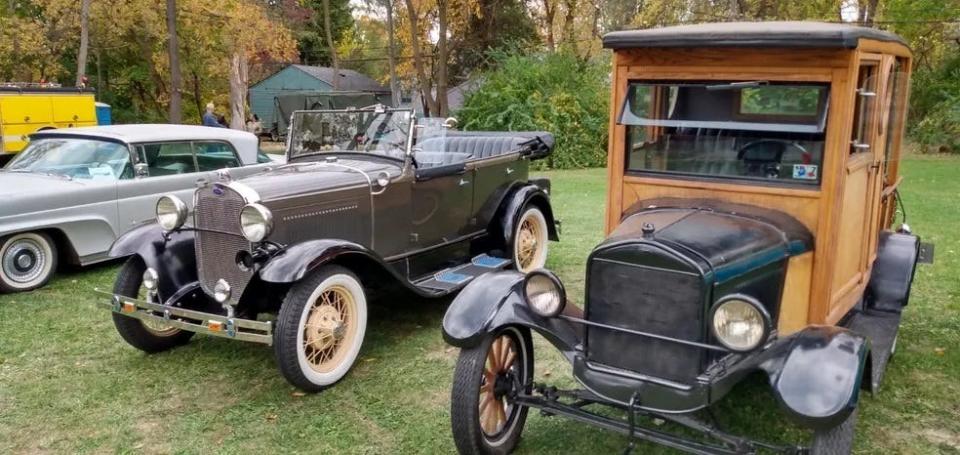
{"points": [[68, 384]]}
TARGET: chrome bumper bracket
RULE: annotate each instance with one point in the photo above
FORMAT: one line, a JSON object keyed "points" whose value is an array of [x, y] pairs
{"points": [[190, 320]]}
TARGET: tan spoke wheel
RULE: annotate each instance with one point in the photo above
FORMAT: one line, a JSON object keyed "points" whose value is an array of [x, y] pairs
{"points": [[331, 325], [530, 241], [494, 410], [155, 328]]}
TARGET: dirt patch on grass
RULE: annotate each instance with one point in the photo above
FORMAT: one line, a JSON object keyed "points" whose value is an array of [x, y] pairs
{"points": [[943, 438]]}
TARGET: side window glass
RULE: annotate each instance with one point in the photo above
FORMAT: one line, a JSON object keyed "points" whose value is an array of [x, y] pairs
{"points": [[866, 101], [169, 158], [212, 156], [895, 96]]}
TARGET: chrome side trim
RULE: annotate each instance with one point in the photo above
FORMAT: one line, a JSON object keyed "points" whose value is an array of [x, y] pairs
{"points": [[189, 320]]}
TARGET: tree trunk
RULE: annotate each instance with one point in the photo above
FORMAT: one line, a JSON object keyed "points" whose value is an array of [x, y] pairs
{"points": [[430, 105], [328, 30], [391, 56], [568, 34], [238, 90], [196, 95], [173, 48], [550, 12], [84, 41], [443, 107]]}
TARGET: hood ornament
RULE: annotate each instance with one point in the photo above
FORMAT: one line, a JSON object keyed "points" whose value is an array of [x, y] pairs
{"points": [[224, 175]]}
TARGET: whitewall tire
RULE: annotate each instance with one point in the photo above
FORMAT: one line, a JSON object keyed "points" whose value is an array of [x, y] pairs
{"points": [[27, 261], [530, 240], [320, 328]]}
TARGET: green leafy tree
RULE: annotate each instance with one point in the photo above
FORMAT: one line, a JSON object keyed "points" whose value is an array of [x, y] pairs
{"points": [[556, 92]]}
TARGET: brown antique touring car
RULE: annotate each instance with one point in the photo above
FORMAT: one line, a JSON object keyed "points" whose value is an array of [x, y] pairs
{"points": [[753, 175], [369, 201]]}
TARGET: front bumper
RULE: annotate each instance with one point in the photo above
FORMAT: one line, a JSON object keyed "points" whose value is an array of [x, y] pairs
{"points": [[190, 320]]}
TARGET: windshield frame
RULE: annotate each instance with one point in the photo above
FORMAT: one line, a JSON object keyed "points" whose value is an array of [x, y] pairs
{"points": [[375, 110]]}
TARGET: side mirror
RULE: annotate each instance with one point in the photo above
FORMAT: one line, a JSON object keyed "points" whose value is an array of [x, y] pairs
{"points": [[141, 170], [451, 122]]}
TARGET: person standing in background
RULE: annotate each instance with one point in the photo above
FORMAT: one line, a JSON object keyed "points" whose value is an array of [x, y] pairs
{"points": [[210, 119]]}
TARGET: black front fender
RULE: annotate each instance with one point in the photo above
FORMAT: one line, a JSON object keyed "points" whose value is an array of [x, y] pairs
{"points": [[495, 300], [294, 262], [171, 254], [816, 374]]}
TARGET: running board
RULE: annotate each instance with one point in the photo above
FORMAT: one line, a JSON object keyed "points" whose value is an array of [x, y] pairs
{"points": [[881, 328], [454, 278]]}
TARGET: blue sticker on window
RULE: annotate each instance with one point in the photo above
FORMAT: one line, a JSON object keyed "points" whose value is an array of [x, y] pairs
{"points": [[805, 171]]}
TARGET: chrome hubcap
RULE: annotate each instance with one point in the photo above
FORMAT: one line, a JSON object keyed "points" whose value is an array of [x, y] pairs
{"points": [[24, 261]]}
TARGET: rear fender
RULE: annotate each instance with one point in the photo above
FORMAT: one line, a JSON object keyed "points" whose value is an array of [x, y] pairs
{"points": [[172, 255], [893, 271], [816, 374], [495, 300], [515, 202]]}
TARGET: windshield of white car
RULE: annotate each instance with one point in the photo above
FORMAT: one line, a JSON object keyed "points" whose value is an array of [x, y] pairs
{"points": [[383, 133], [81, 159]]}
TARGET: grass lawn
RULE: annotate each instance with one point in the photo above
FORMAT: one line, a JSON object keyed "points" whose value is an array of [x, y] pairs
{"points": [[68, 384]]}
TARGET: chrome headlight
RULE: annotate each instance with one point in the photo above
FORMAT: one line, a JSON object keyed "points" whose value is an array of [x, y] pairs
{"points": [[544, 293], [740, 322], [256, 222], [171, 212]]}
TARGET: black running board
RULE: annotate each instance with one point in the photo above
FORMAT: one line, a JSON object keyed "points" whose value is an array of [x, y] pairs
{"points": [[456, 277]]}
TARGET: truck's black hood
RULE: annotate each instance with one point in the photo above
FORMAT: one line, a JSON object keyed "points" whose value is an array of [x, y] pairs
{"points": [[728, 238]]}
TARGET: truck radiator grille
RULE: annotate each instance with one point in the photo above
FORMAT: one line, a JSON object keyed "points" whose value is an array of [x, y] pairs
{"points": [[657, 301], [218, 240]]}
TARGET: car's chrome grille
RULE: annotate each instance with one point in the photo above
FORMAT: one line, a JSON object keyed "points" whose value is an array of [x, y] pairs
{"points": [[218, 240], [651, 300]]}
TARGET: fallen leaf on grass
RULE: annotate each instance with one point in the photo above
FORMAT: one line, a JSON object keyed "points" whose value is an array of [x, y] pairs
{"points": [[298, 394], [271, 417], [369, 359], [939, 351], [547, 373]]}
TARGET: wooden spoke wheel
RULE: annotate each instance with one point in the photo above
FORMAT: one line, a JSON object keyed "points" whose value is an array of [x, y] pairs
{"points": [[530, 240], [320, 328], [330, 322], [485, 418], [147, 336]]}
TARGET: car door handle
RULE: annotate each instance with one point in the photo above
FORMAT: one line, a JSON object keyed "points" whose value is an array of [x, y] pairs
{"points": [[509, 170], [464, 182]]}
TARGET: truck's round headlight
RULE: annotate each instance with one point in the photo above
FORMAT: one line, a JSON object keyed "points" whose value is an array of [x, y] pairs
{"points": [[544, 293], [171, 212], [740, 322], [256, 222]]}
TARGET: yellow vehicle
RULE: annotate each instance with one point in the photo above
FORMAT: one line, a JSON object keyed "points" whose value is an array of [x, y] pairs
{"points": [[26, 109]]}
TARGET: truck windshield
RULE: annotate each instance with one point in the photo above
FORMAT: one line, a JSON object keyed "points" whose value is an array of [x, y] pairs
{"points": [[86, 159], [382, 132], [744, 130]]}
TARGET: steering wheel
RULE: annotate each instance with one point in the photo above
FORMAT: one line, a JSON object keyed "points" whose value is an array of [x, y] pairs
{"points": [[769, 153]]}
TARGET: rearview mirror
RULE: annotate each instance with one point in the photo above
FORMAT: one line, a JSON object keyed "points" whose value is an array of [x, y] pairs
{"points": [[141, 170], [451, 122]]}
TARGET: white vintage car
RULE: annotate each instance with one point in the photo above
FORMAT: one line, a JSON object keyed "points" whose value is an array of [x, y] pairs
{"points": [[71, 193]]}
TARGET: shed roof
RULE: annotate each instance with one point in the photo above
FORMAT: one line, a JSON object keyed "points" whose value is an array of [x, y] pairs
{"points": [[349, 80], [780, 34]]}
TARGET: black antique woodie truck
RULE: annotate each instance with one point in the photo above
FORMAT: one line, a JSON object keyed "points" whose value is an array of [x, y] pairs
{"points": [[753, 174], [370, 201]]}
